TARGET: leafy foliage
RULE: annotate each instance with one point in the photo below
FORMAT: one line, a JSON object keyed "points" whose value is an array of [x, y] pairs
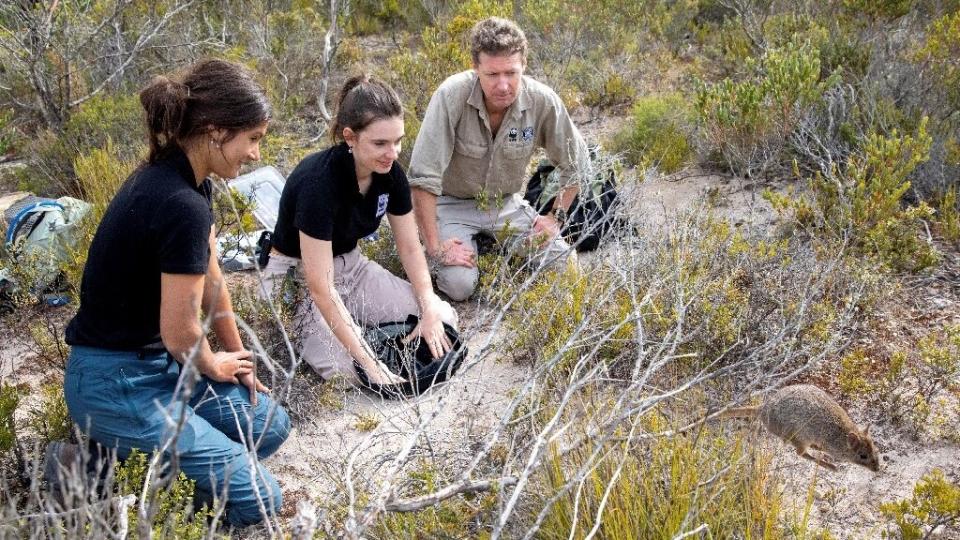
{"points": [[658, 134], [9, 399], [650, 494], [862, 204], [935, 503], [747, 122], [174, 517]]}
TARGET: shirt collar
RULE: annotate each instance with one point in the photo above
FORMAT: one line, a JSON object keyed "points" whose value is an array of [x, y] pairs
{"points": [[176, 158]]}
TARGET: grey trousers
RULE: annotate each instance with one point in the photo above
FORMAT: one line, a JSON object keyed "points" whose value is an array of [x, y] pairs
{"points": [[370, 293], [460, 218]]}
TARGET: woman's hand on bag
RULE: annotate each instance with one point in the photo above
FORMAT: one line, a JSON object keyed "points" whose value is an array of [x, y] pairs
{"points": [[430, 329], [378, 373]]}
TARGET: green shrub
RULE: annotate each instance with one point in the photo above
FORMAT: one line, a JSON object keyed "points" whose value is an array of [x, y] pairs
{"points": [[50, 419], [657, 134], [382, 249], [878, 9], [103, 120], [935, 504], [853, 373], [861, 204], [558, 303], [48, 341], [8, 138], [592, 53], [661, 489], [599, 84], [941, 52], [747, 123], [461, 516], [916, 381], [173, 503], [948, 215], [9, 399], [376, 16]]}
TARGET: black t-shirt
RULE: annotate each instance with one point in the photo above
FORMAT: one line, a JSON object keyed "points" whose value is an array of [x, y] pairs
{"points": [[322, 199], [159, 221]]}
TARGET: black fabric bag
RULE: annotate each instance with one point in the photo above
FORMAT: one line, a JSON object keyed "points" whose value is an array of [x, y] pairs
{"points": [[412, 360], [589, 219]]}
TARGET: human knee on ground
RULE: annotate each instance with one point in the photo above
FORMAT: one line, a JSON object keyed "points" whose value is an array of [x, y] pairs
{"points": [[276, 432], [458, 282]]}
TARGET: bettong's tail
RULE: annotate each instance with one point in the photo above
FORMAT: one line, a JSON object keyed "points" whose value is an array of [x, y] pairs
{"points": [[740, 412]]}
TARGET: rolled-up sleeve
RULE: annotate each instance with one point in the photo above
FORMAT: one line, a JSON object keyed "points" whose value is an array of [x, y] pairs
{"points": [[433, 148], [565, 147]]}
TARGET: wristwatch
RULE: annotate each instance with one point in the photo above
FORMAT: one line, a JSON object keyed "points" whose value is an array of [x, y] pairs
{"points": [[559, 214]]}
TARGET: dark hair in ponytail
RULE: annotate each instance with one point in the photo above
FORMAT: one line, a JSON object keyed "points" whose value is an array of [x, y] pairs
{"points": [[211, 94], [364, 100]]}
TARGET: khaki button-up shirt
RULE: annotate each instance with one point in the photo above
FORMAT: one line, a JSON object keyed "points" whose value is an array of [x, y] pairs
{"points": [[456, 153]]}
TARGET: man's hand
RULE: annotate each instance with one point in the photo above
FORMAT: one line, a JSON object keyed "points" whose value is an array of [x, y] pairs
{"points": [[251, 381], [454, 252], [228, 366], [546, 226]]}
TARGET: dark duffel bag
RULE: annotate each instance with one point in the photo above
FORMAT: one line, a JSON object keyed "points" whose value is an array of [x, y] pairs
{"points": [[412, 360]]}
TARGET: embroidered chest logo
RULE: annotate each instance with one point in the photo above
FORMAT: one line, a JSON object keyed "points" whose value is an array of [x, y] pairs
{"points": [[512, 137], [382, 204], [528, 134]]}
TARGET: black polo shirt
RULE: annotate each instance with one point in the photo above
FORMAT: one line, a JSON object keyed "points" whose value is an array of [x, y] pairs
{"points": [[159, 221], [322, 199]]}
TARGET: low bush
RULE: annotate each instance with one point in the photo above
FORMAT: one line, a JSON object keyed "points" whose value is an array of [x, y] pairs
{"points": [[746, 124], [170, 502], [50, 420], [9, 399], [462, 516], [861, 203], [8, 136], [662, 489], [948, 216], [941, 52], [933, 509], [657, 134], [114, 120]]}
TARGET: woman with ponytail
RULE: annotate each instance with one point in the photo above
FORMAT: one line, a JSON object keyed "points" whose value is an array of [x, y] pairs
{"points": [[333, 199], [141, 373]]}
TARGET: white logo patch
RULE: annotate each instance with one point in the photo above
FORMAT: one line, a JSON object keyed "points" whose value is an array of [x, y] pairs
{"points": [[382, 204]]}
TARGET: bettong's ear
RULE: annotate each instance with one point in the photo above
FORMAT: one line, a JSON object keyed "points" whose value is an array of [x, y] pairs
{"points": [[853, 439], [866, 431]]}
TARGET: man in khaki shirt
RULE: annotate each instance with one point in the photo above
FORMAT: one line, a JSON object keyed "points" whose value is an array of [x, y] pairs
{"points": [[470, 158]]}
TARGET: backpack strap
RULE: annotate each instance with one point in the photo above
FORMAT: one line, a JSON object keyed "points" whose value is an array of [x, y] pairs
{"points": [[20, 219]]}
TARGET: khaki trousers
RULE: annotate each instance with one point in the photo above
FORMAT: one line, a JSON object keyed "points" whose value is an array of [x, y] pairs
{"points": [[370, 293], [460, 218]]}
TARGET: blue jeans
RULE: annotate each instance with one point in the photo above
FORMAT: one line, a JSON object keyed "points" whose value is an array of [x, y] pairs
{"points": [[125, 400]]}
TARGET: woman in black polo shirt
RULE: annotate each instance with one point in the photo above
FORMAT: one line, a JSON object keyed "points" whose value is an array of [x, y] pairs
{"points": [[151, 266], [333, 199]]}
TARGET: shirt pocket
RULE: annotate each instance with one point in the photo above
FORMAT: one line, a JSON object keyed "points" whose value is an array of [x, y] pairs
{"points": [[515, 152], [470, 149]]}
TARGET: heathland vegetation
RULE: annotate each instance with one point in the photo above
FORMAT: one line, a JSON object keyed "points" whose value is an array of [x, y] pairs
{"points": [[841, 117]]}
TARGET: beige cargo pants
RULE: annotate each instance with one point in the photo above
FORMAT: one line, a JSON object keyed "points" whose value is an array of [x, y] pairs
{"points": [[460, 218], [370, 293]]}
